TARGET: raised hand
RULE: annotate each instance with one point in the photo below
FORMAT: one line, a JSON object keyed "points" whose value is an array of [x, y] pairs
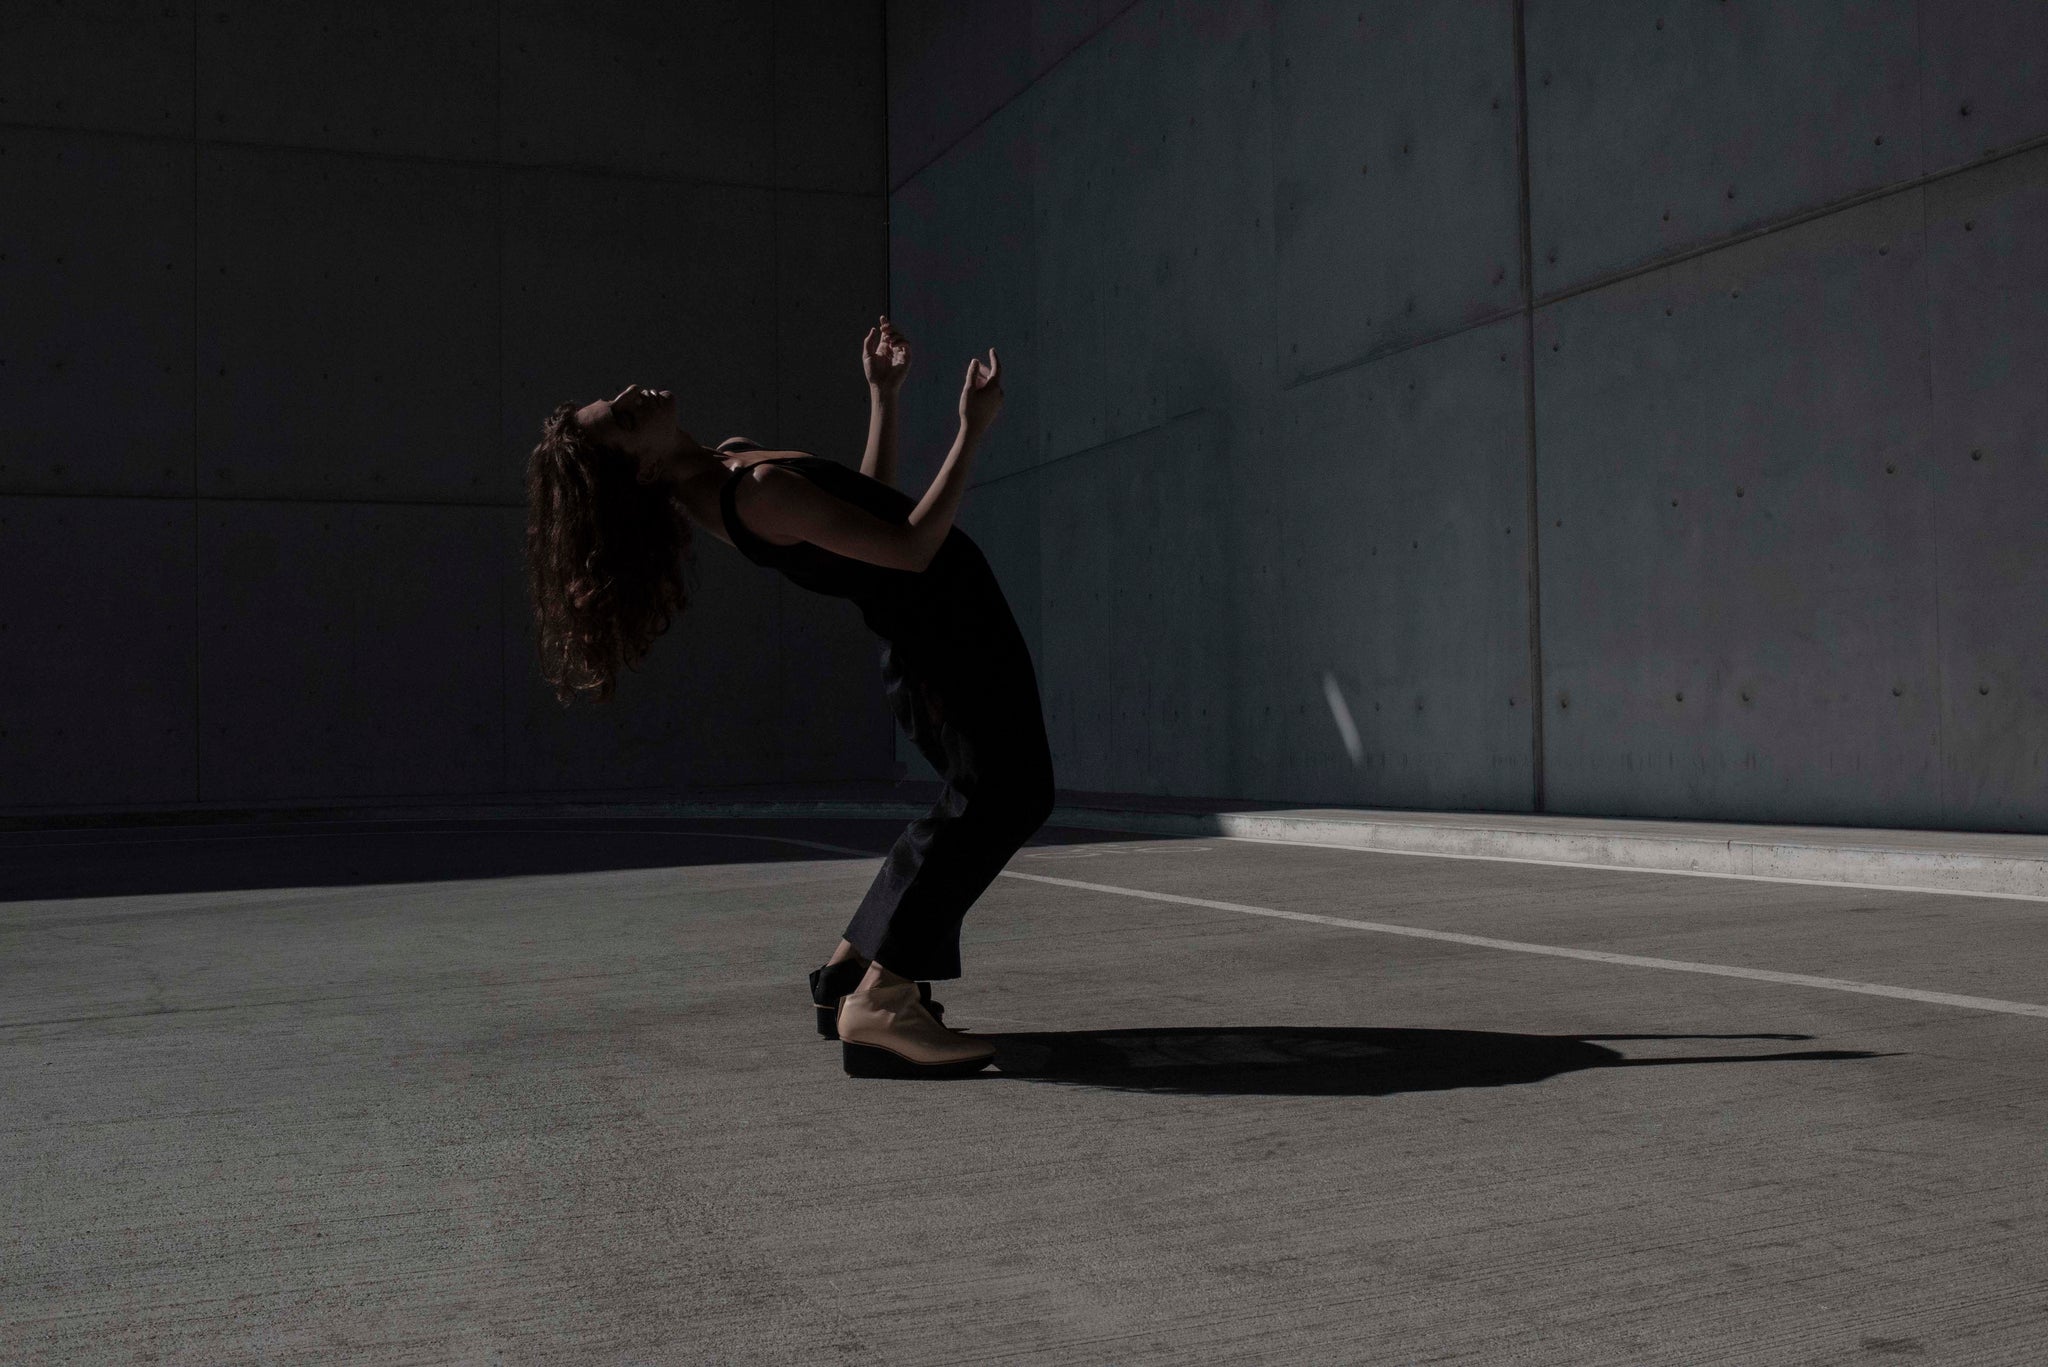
{"points": [[981, 393], [885, 356]]}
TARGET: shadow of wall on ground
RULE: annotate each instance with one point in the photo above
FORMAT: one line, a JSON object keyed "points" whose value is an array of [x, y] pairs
{"points": [[58, 865]]}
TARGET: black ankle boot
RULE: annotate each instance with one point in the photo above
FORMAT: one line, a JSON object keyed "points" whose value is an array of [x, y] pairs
{"points": [[830, 982]]}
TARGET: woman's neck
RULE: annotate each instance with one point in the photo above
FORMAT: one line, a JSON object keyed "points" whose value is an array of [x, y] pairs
{"points": [[687, 467]]}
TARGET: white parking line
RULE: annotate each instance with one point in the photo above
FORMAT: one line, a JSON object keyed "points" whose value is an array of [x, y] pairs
{"points": [[1764, 975], [1377, 927]]}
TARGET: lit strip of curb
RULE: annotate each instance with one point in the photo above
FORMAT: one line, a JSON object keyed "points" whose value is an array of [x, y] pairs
{"points": [[1877, 867], [1881, 868]]}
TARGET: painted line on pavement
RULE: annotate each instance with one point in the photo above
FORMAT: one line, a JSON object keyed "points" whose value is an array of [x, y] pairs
{"points": [[1765, 975], [1597, 956]]}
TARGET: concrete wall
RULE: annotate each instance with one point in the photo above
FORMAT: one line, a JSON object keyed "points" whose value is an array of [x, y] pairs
{"points": [[1565, 405], [285, 291]]}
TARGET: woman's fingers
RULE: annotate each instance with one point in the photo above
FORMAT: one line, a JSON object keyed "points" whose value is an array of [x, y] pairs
{"points": [[885, 342]]}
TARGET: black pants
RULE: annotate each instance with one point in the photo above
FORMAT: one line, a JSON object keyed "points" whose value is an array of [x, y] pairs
{"points": [[970, 704]]}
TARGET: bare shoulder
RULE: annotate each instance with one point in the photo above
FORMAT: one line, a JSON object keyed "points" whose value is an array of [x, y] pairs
{"points": [[749, 458], [767, 492]]}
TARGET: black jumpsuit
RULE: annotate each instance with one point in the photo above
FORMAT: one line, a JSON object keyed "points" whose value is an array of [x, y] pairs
{"points": [[960, 681]]}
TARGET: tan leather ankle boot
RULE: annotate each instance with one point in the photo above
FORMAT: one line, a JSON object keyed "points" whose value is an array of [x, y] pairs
{"points": [[886, 1032]]}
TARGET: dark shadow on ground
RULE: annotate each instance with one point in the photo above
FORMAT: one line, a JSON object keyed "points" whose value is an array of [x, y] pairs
{"points": [[54, 865], [1315, 1061]]}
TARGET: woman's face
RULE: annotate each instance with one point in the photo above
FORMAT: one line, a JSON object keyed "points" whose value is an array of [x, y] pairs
{"points": [[637, 420]]}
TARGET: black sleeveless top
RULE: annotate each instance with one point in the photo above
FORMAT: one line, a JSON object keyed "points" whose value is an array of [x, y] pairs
{"points": [[894, 603]]}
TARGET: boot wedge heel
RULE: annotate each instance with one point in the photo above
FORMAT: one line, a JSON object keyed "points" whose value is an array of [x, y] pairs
{"points": [[872, 1060]]}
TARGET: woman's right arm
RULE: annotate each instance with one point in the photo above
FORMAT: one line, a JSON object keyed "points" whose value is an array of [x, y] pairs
{"points": [[981, 398], [932, 518]]}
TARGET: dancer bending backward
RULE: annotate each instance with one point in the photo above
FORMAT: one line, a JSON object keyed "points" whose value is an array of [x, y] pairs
{"points": [[613, 489]]}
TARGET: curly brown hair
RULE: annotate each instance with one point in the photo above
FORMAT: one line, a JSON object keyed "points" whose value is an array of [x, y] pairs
{"points": [[609, 559]]}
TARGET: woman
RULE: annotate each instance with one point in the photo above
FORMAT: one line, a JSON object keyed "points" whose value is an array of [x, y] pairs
{"points": [[613, 489]]}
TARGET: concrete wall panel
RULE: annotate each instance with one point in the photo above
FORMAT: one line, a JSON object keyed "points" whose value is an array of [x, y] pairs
{"points": [[830, 104], [952, 65], [1181, 177], [96, 291], [1987, 286], [704, 707], [280, 712], [1132, 324], [1658, 128], [1738, 560], [428, 661], [1170, 657], [961, 245], [1799, 619], [381, 76], [96, 660], [1261, 526], [1077, 613], [612, 282], [1984, 73], [680, 91], [1220, 180], [1396, 190], [1134, 675], [120, 66], [1076, 182], [831, 252], [386, 313], [347, 649], [1402, 581], [1222, 361], [347, 326], [1146, 76]]}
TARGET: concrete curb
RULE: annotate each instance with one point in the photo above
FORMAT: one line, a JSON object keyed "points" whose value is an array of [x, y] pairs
{"points": [[2006, 866], [1861, 858], [1873, 865]]}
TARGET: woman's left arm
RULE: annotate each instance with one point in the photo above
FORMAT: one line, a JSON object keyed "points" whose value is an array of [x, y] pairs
{"points": [[879, 460], [884, 358]]}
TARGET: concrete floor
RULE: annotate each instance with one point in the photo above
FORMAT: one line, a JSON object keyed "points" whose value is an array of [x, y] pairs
{"points": [[550, 1092]]}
